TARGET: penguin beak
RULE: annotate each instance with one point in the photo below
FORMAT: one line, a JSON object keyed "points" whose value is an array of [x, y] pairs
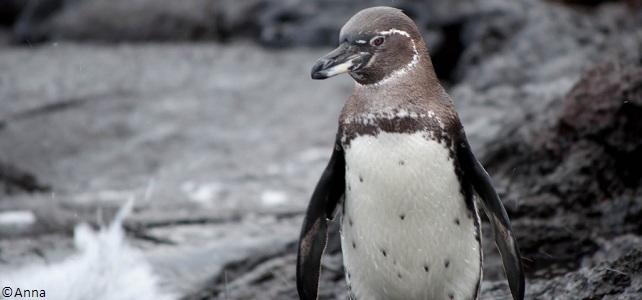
{"points": [[346, 58]]}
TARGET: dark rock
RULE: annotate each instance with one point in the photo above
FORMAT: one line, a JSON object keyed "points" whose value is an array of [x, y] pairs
{"points": [[137, 21], [32, 23], [617, 277], [10, 11], [605, 110], [523, 78], [484, 34], [583, 173], [13, 180], [594, 146], [239, 19]]}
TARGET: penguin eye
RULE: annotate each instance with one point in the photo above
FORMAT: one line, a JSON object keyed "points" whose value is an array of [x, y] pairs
{"points": [[377, 41]]}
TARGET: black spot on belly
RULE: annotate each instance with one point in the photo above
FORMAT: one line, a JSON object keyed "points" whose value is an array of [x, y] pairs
{"points": [[451, 296], [360, 178], [354, 245], [457, 221], [402, 162], [350, 221], [447, 263], [385, 254], [399, 275], [402, 216], [426, 268]]}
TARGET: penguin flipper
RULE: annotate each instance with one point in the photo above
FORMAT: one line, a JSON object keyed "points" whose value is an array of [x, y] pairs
{"points": [[502, 230], [314, 233]]}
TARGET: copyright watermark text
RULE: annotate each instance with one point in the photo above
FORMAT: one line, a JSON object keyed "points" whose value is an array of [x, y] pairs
{"points": [[17, 292]]}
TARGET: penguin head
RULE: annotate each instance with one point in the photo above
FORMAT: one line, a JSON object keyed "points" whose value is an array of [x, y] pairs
{"points": [[375, 44]]}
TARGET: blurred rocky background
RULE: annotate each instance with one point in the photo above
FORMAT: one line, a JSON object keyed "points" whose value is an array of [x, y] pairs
{"points": [[203, 112]]}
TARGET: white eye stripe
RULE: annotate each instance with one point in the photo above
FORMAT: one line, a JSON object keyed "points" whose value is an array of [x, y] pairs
{"points": [[361, 42], [395, 31]]}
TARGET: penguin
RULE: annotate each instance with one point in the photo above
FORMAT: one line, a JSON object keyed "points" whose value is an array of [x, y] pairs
{"points": [[404, 174]]}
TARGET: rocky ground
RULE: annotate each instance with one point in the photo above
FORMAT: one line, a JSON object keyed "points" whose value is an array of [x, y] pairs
{"points": [[220, 135]]}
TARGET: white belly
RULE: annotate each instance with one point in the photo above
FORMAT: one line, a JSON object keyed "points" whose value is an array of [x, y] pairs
{"points": [[406, 231]]}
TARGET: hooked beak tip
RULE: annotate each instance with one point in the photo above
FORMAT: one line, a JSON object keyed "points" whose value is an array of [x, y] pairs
{"points": [[341, 60], [321, 68], [318, 75]]}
